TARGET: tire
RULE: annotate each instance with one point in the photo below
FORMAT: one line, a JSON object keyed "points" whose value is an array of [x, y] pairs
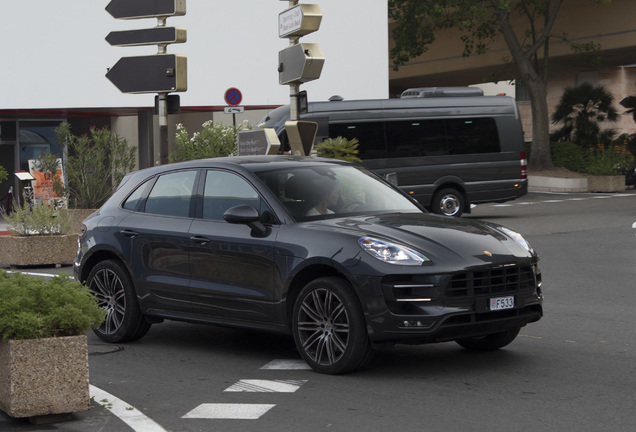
{"points": [[329, 327], [449, 202], [111, 285], [489, 342]]}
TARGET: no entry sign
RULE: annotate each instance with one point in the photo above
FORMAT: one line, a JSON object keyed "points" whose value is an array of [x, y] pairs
{"points": [[233, 96]]}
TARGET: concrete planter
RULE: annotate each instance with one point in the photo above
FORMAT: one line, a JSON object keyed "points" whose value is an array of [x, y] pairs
{"points": [[581, 183], [16, 250], [44, 376], [606, 183]]}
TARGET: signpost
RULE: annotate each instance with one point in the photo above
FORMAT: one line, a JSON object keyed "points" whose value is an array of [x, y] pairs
{"points": [[150, 36], [299, 63], [136, 9], [233, 98], [150, 74], [161, 73]]}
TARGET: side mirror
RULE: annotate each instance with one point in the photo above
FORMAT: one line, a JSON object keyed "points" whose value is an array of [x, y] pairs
{"points": [[246, 215], [391, 178]]}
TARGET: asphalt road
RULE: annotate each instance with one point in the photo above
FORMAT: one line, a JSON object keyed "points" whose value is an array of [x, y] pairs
{"points": [[575, 370]]}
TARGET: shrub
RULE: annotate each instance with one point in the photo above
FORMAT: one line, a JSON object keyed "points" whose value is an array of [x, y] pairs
{"points": [[95, 165], [214, 140], [41, 219], [339, 148], [3, 174], [32, 308], [612, 160], [569, 155]]}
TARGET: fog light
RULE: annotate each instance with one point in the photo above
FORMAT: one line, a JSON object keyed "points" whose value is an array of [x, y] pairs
{"points": [[419, 324]]}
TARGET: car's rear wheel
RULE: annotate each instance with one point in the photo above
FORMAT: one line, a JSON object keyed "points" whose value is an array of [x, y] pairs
{"points": [[449, 202], [329, 327], [111, 285], [489, 342]]}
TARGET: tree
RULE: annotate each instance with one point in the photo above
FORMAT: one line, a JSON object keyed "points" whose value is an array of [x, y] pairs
{"points": [[95, 165], [580, 109], [480, 22]]}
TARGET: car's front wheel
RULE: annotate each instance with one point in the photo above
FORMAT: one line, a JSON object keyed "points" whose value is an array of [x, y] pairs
{"points": [[329, 327], [489, 342], [112, 287]]}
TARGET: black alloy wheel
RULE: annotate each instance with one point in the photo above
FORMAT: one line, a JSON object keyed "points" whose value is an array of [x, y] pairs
{"points": [[329, 327], [111, 285]]}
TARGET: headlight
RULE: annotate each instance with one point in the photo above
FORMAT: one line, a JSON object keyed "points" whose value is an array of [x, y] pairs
{"points": [[518, 238], [391, 253]]}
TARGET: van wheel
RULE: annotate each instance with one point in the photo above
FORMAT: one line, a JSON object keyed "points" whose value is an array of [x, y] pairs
{"points": [[449, 202]]}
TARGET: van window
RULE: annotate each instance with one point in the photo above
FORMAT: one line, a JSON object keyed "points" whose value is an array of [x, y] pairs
{"points": [[415, 138]]}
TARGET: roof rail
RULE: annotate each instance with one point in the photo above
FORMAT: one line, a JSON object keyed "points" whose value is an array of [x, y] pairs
{"points": [[441, 92]]}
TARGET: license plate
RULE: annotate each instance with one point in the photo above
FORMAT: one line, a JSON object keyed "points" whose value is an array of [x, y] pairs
{"points": [[501, 303]]}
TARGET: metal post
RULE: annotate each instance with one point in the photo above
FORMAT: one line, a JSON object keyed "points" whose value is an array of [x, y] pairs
{"points": [[295, 87], [163, 107], [163, 128]]}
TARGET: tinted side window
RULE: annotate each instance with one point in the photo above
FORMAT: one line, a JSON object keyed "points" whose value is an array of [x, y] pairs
{"points": [[416, 138], [370, 135], [224, 190], [172, 194], [133, 202], [468, 136]]}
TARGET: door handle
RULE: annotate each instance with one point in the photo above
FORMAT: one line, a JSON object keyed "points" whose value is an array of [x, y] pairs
{"points": [[200, 240], [129, 233]]}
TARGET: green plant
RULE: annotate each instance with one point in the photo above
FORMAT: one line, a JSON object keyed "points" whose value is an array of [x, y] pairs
{"points": [[214, 140], [48, 164], [40, 219], [3, 174], [569, 155], [32, 308], [612, 160], [339, 148], [95, 165], [580, 110]]}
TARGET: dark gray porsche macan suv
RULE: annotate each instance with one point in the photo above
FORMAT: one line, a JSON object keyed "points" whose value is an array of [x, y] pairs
{"points": [[321, 249]]}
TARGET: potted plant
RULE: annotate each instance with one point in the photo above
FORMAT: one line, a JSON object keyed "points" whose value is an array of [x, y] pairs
{"points": [[42, 236], [339, 148], [43, 345]]}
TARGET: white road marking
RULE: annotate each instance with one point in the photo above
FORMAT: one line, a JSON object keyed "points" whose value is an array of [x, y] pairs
{"points": [[134, 418], [286, 365], [266, 386], [229, 411]]}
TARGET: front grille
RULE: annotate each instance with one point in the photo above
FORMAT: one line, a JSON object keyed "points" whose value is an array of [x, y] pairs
{"points": [[501, 280]]}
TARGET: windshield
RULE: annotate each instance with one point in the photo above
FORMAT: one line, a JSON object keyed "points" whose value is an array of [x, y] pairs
{"points": [[315, 192]]}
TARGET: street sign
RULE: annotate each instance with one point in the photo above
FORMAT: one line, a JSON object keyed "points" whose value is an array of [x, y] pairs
{"points": [[233, 96], [299, 20], [150, 74], [233, 110], [135, 9], [150, 36], [258, 142]]}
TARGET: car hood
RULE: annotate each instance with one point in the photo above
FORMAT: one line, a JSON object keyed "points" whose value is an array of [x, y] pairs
{"points": [[437, 237]]}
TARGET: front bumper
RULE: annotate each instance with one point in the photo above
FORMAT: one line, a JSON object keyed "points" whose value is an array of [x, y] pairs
{"points": [[445, 307]]}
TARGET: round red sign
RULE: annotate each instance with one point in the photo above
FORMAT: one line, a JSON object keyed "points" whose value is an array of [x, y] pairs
{"points": [[233, 96]]}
